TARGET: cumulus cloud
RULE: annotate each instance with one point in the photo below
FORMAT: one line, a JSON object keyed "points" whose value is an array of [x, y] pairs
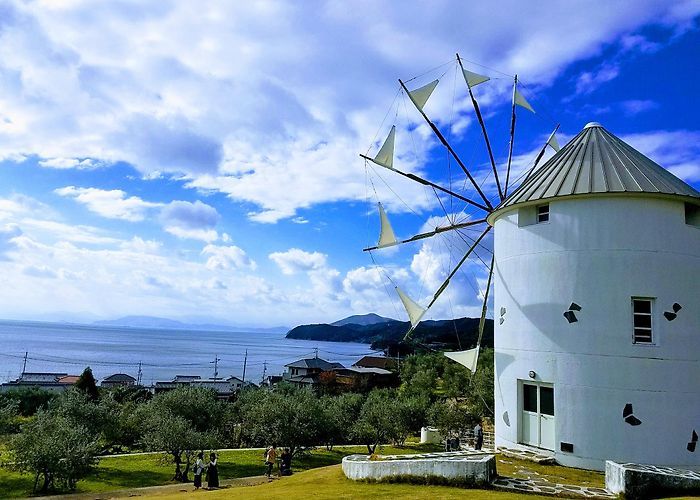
{"points": [[676, 150], [296, 260], [636, 106], [269, 103], [190, 220], [113, 204], [223, 258]]}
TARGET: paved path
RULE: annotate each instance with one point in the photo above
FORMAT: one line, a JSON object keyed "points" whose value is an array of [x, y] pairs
{"points": [[153, 490]]}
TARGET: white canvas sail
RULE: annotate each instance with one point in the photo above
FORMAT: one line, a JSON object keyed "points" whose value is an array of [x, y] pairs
{"points": [[420, 96], [385, 157], [552, 141], [467, 358], [474, 79], [386, 233], [415, 312], [520, 100]]}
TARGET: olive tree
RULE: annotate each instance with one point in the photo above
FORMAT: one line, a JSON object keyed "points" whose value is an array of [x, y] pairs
{"points": [[181, 423], [57, 451]]}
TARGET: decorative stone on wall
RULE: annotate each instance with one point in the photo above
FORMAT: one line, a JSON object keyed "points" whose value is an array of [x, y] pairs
{"points": [[693, 442], [629, 417], [570, 315], [672, 315]]}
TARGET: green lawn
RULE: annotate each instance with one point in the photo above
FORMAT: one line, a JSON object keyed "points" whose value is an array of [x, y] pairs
{"points": [[330, 483], [135, 471]]}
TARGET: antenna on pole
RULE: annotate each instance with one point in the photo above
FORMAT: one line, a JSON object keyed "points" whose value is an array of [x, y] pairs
{"points": [[216, 366], [24, 365], [138, 376], [245, 362]]}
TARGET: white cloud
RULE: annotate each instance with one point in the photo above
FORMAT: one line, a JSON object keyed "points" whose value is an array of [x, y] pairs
{"points": [[590, 80], [270, 103], [112, 204], [676, 150], [296, 260], [190, 220], [8, 243], [227, 257], [636, 106]]}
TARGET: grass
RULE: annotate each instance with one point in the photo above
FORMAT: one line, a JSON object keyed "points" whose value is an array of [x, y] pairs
{"points": [[330, 483], [137, 471]]}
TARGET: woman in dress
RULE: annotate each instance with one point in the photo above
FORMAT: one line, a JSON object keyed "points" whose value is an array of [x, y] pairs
{"points": [[212, 473], [198, 469]]}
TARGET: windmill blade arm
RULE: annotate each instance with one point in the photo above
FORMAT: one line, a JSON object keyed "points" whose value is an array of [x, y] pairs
{"points": [[484, 133], [484, 307], [449, 277], [444, 142], [435, 231], [540, 155], [425, 182]]}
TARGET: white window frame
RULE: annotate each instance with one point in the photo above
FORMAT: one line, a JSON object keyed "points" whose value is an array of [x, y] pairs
{"points": [[539, 213], [652, 337]]}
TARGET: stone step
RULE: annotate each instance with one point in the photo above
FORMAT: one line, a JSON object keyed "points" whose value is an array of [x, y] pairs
{"points": [[537, 456]]}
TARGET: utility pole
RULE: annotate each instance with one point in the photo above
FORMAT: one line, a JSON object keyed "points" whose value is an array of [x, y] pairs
{"points": [[24, 366], [245, 362], [316, 350], [216, 366], [264, 372], [138, 377]]}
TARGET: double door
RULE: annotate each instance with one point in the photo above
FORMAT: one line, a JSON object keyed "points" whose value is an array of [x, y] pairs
{"points": [[537, 415]]}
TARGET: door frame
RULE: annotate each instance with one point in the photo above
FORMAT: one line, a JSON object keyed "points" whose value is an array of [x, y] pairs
{"points": [[521, 401]]}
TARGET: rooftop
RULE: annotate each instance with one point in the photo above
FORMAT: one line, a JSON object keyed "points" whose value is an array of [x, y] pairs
{"points": [[596, 162]]}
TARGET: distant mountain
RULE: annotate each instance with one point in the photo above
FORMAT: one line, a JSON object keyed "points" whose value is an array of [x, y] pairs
{"points": [[171, 324], [450, 334], [363, 319]]}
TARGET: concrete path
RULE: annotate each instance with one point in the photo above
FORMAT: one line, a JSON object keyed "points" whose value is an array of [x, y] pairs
{"points": [[156, 490]]}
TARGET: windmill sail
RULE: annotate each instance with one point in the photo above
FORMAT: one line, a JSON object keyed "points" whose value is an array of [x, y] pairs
{"points": [[420, 96], [467, 358], [385, 157], [386, 233], [415, 312], [552, 141], [474, 79], [520, 100]]}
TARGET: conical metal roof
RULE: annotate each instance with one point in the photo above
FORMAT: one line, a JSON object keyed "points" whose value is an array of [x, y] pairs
{"points": [[595, 162]]}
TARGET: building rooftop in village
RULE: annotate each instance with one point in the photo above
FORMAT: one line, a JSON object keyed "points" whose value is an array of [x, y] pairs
{"points": [[314, 363]]}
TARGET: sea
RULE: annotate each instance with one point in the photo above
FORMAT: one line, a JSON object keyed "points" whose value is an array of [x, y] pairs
{"points": [[161, 353]]}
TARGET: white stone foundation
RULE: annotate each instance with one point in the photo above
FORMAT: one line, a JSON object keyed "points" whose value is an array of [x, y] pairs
{"points": [[642, 481], [468, 468]]}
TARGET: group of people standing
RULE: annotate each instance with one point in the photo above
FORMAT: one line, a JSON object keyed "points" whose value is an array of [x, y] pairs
{"points": [[212, 472], [285, 464]]}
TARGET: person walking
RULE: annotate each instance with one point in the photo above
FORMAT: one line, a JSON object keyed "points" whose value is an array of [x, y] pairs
{"points": [[198, 469], [478, 436], [212, 472], [270, 460]]}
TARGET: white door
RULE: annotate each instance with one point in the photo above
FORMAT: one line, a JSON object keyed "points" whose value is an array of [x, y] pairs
{"points": [[537, 418]]}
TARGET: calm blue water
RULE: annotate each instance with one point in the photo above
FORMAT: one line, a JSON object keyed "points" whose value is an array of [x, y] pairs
{"points": [[163, 353]]}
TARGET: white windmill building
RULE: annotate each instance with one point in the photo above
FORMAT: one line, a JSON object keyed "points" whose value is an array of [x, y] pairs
{"points": [[597, 308], [596, 272]]}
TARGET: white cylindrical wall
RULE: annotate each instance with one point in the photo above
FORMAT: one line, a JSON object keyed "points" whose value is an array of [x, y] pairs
{"points": [[599, 252]]}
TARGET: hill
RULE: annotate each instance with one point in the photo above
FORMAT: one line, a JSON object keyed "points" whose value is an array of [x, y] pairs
{"points": [[382, 336], [362, 319]]}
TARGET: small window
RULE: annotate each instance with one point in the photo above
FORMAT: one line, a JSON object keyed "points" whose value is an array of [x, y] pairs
{"points": [[543, 213], [692, 214], [642, 320], [547, 400]]}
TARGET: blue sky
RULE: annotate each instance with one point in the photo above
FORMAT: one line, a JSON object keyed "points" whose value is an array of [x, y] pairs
{"points": [[199, 161]]}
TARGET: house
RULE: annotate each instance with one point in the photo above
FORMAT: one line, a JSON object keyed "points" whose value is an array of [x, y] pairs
{"points": [[49, 381], [305, 372], [119, 380], [271, 380], [225, 388], [360, 377], [376, 362], [597, 352]]}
